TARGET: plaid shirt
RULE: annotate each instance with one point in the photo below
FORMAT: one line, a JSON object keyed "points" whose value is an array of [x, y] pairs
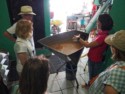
{"points": [[113, 77]]}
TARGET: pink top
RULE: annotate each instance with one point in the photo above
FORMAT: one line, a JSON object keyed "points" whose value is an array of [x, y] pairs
{"points": [[96, 53]]}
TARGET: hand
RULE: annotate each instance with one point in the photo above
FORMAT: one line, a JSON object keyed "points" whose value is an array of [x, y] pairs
{"points": [[41, 57], [76, 38]]}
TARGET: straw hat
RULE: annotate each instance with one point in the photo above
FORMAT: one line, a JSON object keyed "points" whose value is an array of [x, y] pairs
{"points": [[117, 40], [26, 10]]}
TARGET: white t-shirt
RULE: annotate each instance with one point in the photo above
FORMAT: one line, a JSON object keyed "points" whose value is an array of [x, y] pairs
{"points": [[12, 29], [20, 46]]}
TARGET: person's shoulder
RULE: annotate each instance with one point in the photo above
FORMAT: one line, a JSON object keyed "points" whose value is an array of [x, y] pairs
{"points": [[14, 24], [11, 29], [117, 72]]}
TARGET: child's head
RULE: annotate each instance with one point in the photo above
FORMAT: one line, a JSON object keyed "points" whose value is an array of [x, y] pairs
{"points": [[105, 22], [24, 28], [34, 76]]}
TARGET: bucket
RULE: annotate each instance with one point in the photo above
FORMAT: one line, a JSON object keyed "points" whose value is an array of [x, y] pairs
{"points": [[71, 70]]}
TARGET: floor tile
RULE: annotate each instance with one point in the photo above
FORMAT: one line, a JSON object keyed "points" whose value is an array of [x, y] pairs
{"points": [[64, 84], [85, 77], [83, 61], [52, 77], [80, 70], [53, 86], [79, 79], [61, 75], [58, 92], [70, 91]]}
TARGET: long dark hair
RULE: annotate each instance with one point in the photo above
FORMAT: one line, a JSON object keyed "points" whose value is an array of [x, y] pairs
{"points": [[106, 21], [34, 76]]}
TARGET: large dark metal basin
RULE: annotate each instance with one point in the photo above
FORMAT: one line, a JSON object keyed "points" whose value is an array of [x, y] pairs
{"points": [[62, 38]]}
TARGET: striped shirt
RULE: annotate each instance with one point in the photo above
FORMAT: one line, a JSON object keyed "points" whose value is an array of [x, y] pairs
{"points": [[114, 77]]}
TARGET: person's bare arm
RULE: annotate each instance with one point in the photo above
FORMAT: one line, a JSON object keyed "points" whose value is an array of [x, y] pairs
{"points": [[23, 57], [109, 90], [88, 44], [9, 36]]}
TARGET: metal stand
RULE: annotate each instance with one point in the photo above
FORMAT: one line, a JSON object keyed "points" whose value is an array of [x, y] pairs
{"points": [[74, 76], [60, 68], [72, 70]]}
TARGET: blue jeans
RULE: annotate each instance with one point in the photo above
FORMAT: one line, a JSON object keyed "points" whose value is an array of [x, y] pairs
{"points": [[94, 68]]}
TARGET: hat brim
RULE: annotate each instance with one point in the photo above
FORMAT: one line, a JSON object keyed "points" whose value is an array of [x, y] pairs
{"points": [[108, 39], [31, 13]]}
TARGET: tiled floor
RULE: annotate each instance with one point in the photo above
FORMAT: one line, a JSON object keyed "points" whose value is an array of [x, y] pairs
{"points": [[58, 84]]}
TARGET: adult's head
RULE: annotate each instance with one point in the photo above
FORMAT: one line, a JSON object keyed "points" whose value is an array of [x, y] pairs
{"points": [[34, 76], [117, 43], [24, 29], [105, 22], [27, 12]]}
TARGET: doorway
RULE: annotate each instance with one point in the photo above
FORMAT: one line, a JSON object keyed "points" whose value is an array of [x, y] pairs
{"points": [[64, 9]]}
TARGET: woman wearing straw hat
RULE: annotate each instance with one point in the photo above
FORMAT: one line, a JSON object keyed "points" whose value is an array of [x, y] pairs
{"points": [[26, 13], [112, 80]]}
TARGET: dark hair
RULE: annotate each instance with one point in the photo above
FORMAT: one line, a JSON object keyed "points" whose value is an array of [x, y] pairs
{"points": [[119, 55], [106, 21], [34, 76]]}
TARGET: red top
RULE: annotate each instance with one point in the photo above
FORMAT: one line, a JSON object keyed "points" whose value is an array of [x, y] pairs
{"points": [[96, 53]]}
